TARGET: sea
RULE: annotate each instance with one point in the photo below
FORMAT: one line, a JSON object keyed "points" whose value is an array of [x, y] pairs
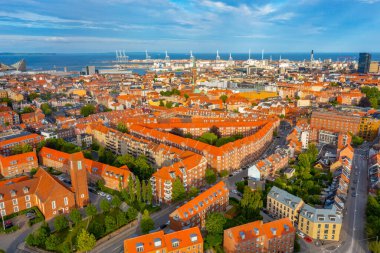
{"points": [[77, 61]]}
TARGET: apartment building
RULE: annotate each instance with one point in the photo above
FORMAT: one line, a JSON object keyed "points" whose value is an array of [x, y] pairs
{"points": [[318, 223], [7, 143], [18, 164], [9, 118], [327, 125], [281, 204], [190, 170], [230, 156], [45, 192], [259, 237], [184, 241], [369, 128], [194, 212], [269, 166], [113, 177]]}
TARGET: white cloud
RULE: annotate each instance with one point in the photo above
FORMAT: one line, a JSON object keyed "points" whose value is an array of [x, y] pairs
{"points": [[369, 1], [254, 36]]}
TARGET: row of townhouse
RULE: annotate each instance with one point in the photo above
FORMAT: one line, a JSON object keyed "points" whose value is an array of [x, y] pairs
{"points": [[225, 128], [9, 118], [259, 237], [45, 191], [318, 223], [190, 170], [230, 156], [18, 164], [184, 241], [194, 212], [374, 172], [113, 177], [9, 142]]}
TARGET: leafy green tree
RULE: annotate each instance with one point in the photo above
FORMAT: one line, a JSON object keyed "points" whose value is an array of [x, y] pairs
{"points": [[224, 173], [110, 223], [61, 223], [115, 202], [143, 190], [122, 127], [131, 189], [52, 242], [215, 222], [177, 131], [85, 241], [179, 191], [91, 210], [126, 159], [146, 224], [193, 192], [364, 102], [186, 96], [138, 189], [162, 103], [32, 96], [96, 228], [374, 246], [27, 109], [213, 240], [210, 176], [87, 110], [105, 205], [132, 213], [75, 216], [21, 149], [142, 168], [251, 203], [121, 219], [149, 193], [215, 130], [223, 98], [46, 109], [39, 237]]}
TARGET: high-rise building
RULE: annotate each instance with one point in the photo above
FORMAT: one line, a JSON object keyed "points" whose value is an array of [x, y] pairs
{"points": [[364, 63]]}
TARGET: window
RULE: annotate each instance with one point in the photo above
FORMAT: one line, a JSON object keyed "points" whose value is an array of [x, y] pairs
{"points": [[139, 248], [3, 212], [28, 205], [27, 198], [2, 206], [53, 206], [66, 201], [15, 209], [82, 196], [14, 201]]}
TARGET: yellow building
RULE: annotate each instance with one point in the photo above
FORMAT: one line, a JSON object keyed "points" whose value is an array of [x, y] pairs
{"points": [[3, 94], [255, 95], [79, 92], [318, 223], [369, 128], [282, 204], [374, 67]]}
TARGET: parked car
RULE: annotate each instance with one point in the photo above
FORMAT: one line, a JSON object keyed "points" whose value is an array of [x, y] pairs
{"points": [[308, 239], [300, 234], [8, 224]]}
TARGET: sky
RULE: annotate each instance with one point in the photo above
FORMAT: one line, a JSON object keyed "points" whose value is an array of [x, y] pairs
{"points": [[70, 26]]}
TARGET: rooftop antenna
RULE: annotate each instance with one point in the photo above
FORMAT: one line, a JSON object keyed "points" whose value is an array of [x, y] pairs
{"points": [[262, 54], [217, 55], [167, 58]]}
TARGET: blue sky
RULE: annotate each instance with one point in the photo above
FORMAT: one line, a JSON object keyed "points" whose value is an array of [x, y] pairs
{"points": [[198, 25]]}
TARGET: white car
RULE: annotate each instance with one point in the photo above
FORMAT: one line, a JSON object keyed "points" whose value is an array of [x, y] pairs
{"points": [[300, 234], [102, 194]]}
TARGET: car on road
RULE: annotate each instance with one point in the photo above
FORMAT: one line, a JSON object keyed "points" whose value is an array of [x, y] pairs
{"points": [[355, 181], [308, 239], [31, 214], [103, 194], [354, 194], [235, 191], [108, 197], [353, 188], [300, 234]]}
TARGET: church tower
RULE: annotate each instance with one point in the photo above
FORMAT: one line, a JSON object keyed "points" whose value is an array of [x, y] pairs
{"points": [[79, 179]]}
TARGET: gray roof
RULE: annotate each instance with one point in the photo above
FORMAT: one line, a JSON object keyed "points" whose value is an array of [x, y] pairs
{"points": [[284, 197], [320, 215]]}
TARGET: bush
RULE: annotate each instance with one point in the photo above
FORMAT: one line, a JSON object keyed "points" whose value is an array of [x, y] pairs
{"points": [[52, 242], [61, 223], [224, 173]]}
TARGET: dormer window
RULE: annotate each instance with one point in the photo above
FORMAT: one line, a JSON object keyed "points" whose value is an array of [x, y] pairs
{"points": [[175, 243], [139, 247], [30, 158], [1, 196], [14, 162], [13, 193], [25, 189]]}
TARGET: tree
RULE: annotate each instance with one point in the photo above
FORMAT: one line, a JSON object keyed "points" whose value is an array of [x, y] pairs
{"points": [[142, 168], [224, 173], [147, 224], [21, 149], [126, 159], [373, 102], [215, 222], [149, 193], [223, 98], [39, 237], [143, 190], [121, 219], [364, 102], [105, 205], [162, 103], [75, 216], [115, 202], [193, 192], [96, 228], [215, 130], [251, 203], [91, 210], [110, 223], [32, 96], [210, 176], [179, 191], [186, 96], [46, 109], [132, 213], [209, 138], [52, 242], [138, 189], [177, 131], [131, 189], [61, 223], [27, 109], [85, 241], [122, 127], [87, 110], [374, 247], [213, 240]]}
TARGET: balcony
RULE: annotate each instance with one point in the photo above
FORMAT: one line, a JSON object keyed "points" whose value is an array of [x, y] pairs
{"points": [[168, 183]]}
